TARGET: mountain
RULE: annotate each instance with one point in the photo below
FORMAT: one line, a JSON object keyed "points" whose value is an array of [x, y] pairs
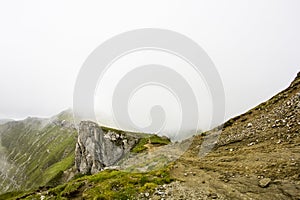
{"points": [[257, 156], [35, 151]]}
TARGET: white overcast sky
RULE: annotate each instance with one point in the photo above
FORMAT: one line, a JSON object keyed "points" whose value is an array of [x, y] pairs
{"points": [[254, 44]]}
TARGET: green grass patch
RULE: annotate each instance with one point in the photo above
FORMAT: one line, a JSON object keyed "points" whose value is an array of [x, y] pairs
{"points": [[112, 184], [11, 195], [54, 172], [152, 139]]}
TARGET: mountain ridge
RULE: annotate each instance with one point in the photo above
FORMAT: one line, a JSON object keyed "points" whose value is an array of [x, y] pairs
{"points": [[255, 157]]}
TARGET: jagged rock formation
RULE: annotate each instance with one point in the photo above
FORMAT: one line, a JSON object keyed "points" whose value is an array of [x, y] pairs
{"points": [[97, 148]]}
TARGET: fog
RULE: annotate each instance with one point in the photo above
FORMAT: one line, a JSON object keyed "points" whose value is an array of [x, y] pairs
{"points": [[253, 44]]}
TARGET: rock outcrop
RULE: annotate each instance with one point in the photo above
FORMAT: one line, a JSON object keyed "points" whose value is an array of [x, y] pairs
{"points": [[97, 148]]}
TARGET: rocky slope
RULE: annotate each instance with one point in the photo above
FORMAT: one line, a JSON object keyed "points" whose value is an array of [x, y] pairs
{"points": [[256, 157]]}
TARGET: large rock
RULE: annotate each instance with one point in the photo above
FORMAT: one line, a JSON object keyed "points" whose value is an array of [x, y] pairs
{"points": [[264, 182], [97, 148]]}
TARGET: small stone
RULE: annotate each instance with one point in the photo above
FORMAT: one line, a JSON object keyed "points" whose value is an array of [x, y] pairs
{"points": [[213, 196], [264, 182], [278, 142], [252, 143], [249, 125], [147, 194], [185, 174]]}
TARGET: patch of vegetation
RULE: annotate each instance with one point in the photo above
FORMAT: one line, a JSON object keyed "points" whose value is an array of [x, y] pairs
{"points": [[151, 139], [72, 189], [112, 184], [10, 195], [106, 129], [55, 172], [108, 184]]}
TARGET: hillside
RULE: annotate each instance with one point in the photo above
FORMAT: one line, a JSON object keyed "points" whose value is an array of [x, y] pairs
{"points": [[35, 151], [257, 156]]}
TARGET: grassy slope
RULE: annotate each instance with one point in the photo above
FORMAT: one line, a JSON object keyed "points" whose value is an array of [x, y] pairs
{"points": [[38, 152], [108, 184]]}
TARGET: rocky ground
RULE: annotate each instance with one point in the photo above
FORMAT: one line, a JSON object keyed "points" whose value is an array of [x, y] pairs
{"points": [[256, 157]]}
